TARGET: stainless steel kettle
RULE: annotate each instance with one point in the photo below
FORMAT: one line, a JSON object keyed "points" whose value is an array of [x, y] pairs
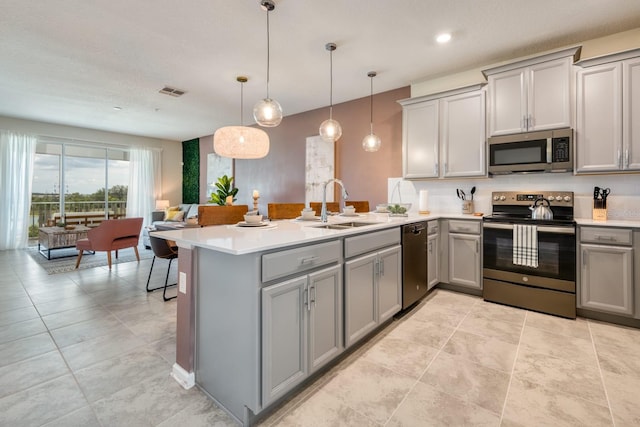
{"points": [[539, 211]]}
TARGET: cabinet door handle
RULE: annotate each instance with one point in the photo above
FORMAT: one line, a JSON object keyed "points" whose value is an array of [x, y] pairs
{"points": [[430, 247], [619, 158], [584, 258], [382, 267], [308, 260], [312, 298], [626, 158], [530, 122], [477, 246], [306, 299], [376, 267], [435, 169], [606, 238]]}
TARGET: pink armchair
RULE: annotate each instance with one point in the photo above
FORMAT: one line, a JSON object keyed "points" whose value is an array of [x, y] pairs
{"points": [[111, 235]]}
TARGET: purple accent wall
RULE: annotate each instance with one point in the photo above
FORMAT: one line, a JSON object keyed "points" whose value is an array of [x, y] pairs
{"points": [[185, 317], [280, 175]]}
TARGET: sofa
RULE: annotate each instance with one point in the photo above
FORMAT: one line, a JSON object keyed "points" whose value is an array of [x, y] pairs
{"points": [[173, 217]]}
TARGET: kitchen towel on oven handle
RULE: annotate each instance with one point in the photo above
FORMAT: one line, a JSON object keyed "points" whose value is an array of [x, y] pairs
{"points": [[525, 245]]}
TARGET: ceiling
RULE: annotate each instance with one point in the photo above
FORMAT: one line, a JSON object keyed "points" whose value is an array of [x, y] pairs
{"points": [[72, 62]]}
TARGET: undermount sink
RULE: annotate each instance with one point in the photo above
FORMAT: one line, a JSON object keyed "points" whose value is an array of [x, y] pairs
{"points": [[343, 225]]}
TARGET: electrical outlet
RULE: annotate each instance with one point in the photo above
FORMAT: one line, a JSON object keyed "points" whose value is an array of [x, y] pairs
{"points": [[182, 285]]}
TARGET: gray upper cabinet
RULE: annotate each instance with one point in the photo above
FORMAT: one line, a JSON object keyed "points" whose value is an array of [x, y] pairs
{"points": [[462, 135], [532, 94], [443, 135], [608, 102], [420, 140]]}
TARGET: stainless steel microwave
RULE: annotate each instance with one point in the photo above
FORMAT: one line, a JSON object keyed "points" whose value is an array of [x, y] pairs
{"points": [[542, 151]]}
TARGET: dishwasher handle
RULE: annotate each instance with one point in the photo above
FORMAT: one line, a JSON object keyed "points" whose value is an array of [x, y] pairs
{"points": [[414, 229]]}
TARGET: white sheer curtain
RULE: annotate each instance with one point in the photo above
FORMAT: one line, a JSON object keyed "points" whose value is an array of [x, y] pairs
{"points": [[17, 154], [144, 182]]}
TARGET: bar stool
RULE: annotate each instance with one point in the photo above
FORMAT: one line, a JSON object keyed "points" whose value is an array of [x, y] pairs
{"points": [[162, 249]]}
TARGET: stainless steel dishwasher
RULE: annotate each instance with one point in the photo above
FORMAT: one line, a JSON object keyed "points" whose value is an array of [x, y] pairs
{"points": [[414, 263]]}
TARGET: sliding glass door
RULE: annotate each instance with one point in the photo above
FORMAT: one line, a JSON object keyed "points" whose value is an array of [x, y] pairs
{"points": [[78, 184]]}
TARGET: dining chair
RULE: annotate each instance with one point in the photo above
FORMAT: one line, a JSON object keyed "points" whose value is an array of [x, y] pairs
{"points": [[284, 210]]}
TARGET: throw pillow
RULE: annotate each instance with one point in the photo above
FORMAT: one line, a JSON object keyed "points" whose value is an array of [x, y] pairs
{"points": [[175, 216], [170, 211]]}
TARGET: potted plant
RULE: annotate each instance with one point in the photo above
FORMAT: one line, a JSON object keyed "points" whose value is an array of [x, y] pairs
{"points": [[224, 190]]}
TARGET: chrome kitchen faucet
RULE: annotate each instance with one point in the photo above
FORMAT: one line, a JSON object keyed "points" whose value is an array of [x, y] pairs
{"points": [[345, 196]]}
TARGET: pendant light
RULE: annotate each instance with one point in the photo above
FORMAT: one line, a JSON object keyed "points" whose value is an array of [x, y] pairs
{"points": [[267, 112], [241, 142], [371, 142], [330, 130]]}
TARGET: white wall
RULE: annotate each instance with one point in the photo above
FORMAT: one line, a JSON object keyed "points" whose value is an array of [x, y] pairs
{"points": [[171, 150], [618, 42], [622, 203]]}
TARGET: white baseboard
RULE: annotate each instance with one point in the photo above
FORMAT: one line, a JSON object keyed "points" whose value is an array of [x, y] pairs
{"points": [[184, 378]]}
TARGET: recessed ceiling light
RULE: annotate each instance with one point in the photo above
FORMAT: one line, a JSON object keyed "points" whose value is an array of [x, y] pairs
{"points": [[117, 108], [443, 38]]}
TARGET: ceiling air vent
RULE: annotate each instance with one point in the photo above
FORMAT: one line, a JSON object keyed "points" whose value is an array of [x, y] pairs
{"points": [[167, 90]]}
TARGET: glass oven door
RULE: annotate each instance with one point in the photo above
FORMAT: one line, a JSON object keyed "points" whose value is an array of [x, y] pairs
{"points": [[556, 251]]}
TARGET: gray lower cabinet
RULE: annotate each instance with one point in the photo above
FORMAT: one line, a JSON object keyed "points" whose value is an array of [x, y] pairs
{"points": [[464, 253], [301, 329], [607, 278], [606, 270], [433, 254], [373, 291]]}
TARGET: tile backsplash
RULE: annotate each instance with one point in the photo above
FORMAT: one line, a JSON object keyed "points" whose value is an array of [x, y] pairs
{"points": [[622, 203]]}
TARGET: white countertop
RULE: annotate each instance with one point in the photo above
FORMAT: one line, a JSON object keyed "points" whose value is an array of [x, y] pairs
{"points": [[609, 222], [237, 240]]}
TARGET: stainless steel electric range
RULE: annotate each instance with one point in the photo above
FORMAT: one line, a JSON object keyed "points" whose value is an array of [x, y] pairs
{"points": [[530, 263]]}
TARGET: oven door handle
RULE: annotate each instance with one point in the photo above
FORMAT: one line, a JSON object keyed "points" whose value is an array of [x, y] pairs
{"points": [[541, 228]]}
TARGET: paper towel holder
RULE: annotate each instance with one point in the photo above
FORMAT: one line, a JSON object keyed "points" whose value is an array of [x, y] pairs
{"points": [[422, 203]]}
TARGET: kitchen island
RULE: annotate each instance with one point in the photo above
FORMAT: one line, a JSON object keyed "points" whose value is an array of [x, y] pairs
{"points": [[261, 308]]}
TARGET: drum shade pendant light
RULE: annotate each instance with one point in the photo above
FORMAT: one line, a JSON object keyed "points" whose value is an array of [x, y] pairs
{"points": [[267, 112], [241, 142], [371, 142], [330, 130]]}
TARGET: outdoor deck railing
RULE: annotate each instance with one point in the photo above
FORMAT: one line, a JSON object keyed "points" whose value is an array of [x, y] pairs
{"points": [[43, 211]]}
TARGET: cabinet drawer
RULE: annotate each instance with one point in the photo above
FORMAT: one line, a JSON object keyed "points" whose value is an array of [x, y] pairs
{"points": [[283, 263], [432, 227], [459, 226], [606, 235], [370, 242]]}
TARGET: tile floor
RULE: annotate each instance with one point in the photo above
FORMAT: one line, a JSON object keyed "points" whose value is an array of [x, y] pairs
{"points": [[92, 348]]}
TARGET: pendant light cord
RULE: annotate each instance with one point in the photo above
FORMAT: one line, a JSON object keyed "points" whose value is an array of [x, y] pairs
{"points": [[371, 104], [330, 84], [241, 103], [268, 53]]}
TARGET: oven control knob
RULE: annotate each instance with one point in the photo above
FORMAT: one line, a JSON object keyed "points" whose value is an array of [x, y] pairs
{"points": [[496, 198], [503, 198], [525, 279], [567, 198], [551, 198]]}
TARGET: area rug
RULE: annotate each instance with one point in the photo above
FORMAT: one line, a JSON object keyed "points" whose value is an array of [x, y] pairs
{"points": [[64, 260]]}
